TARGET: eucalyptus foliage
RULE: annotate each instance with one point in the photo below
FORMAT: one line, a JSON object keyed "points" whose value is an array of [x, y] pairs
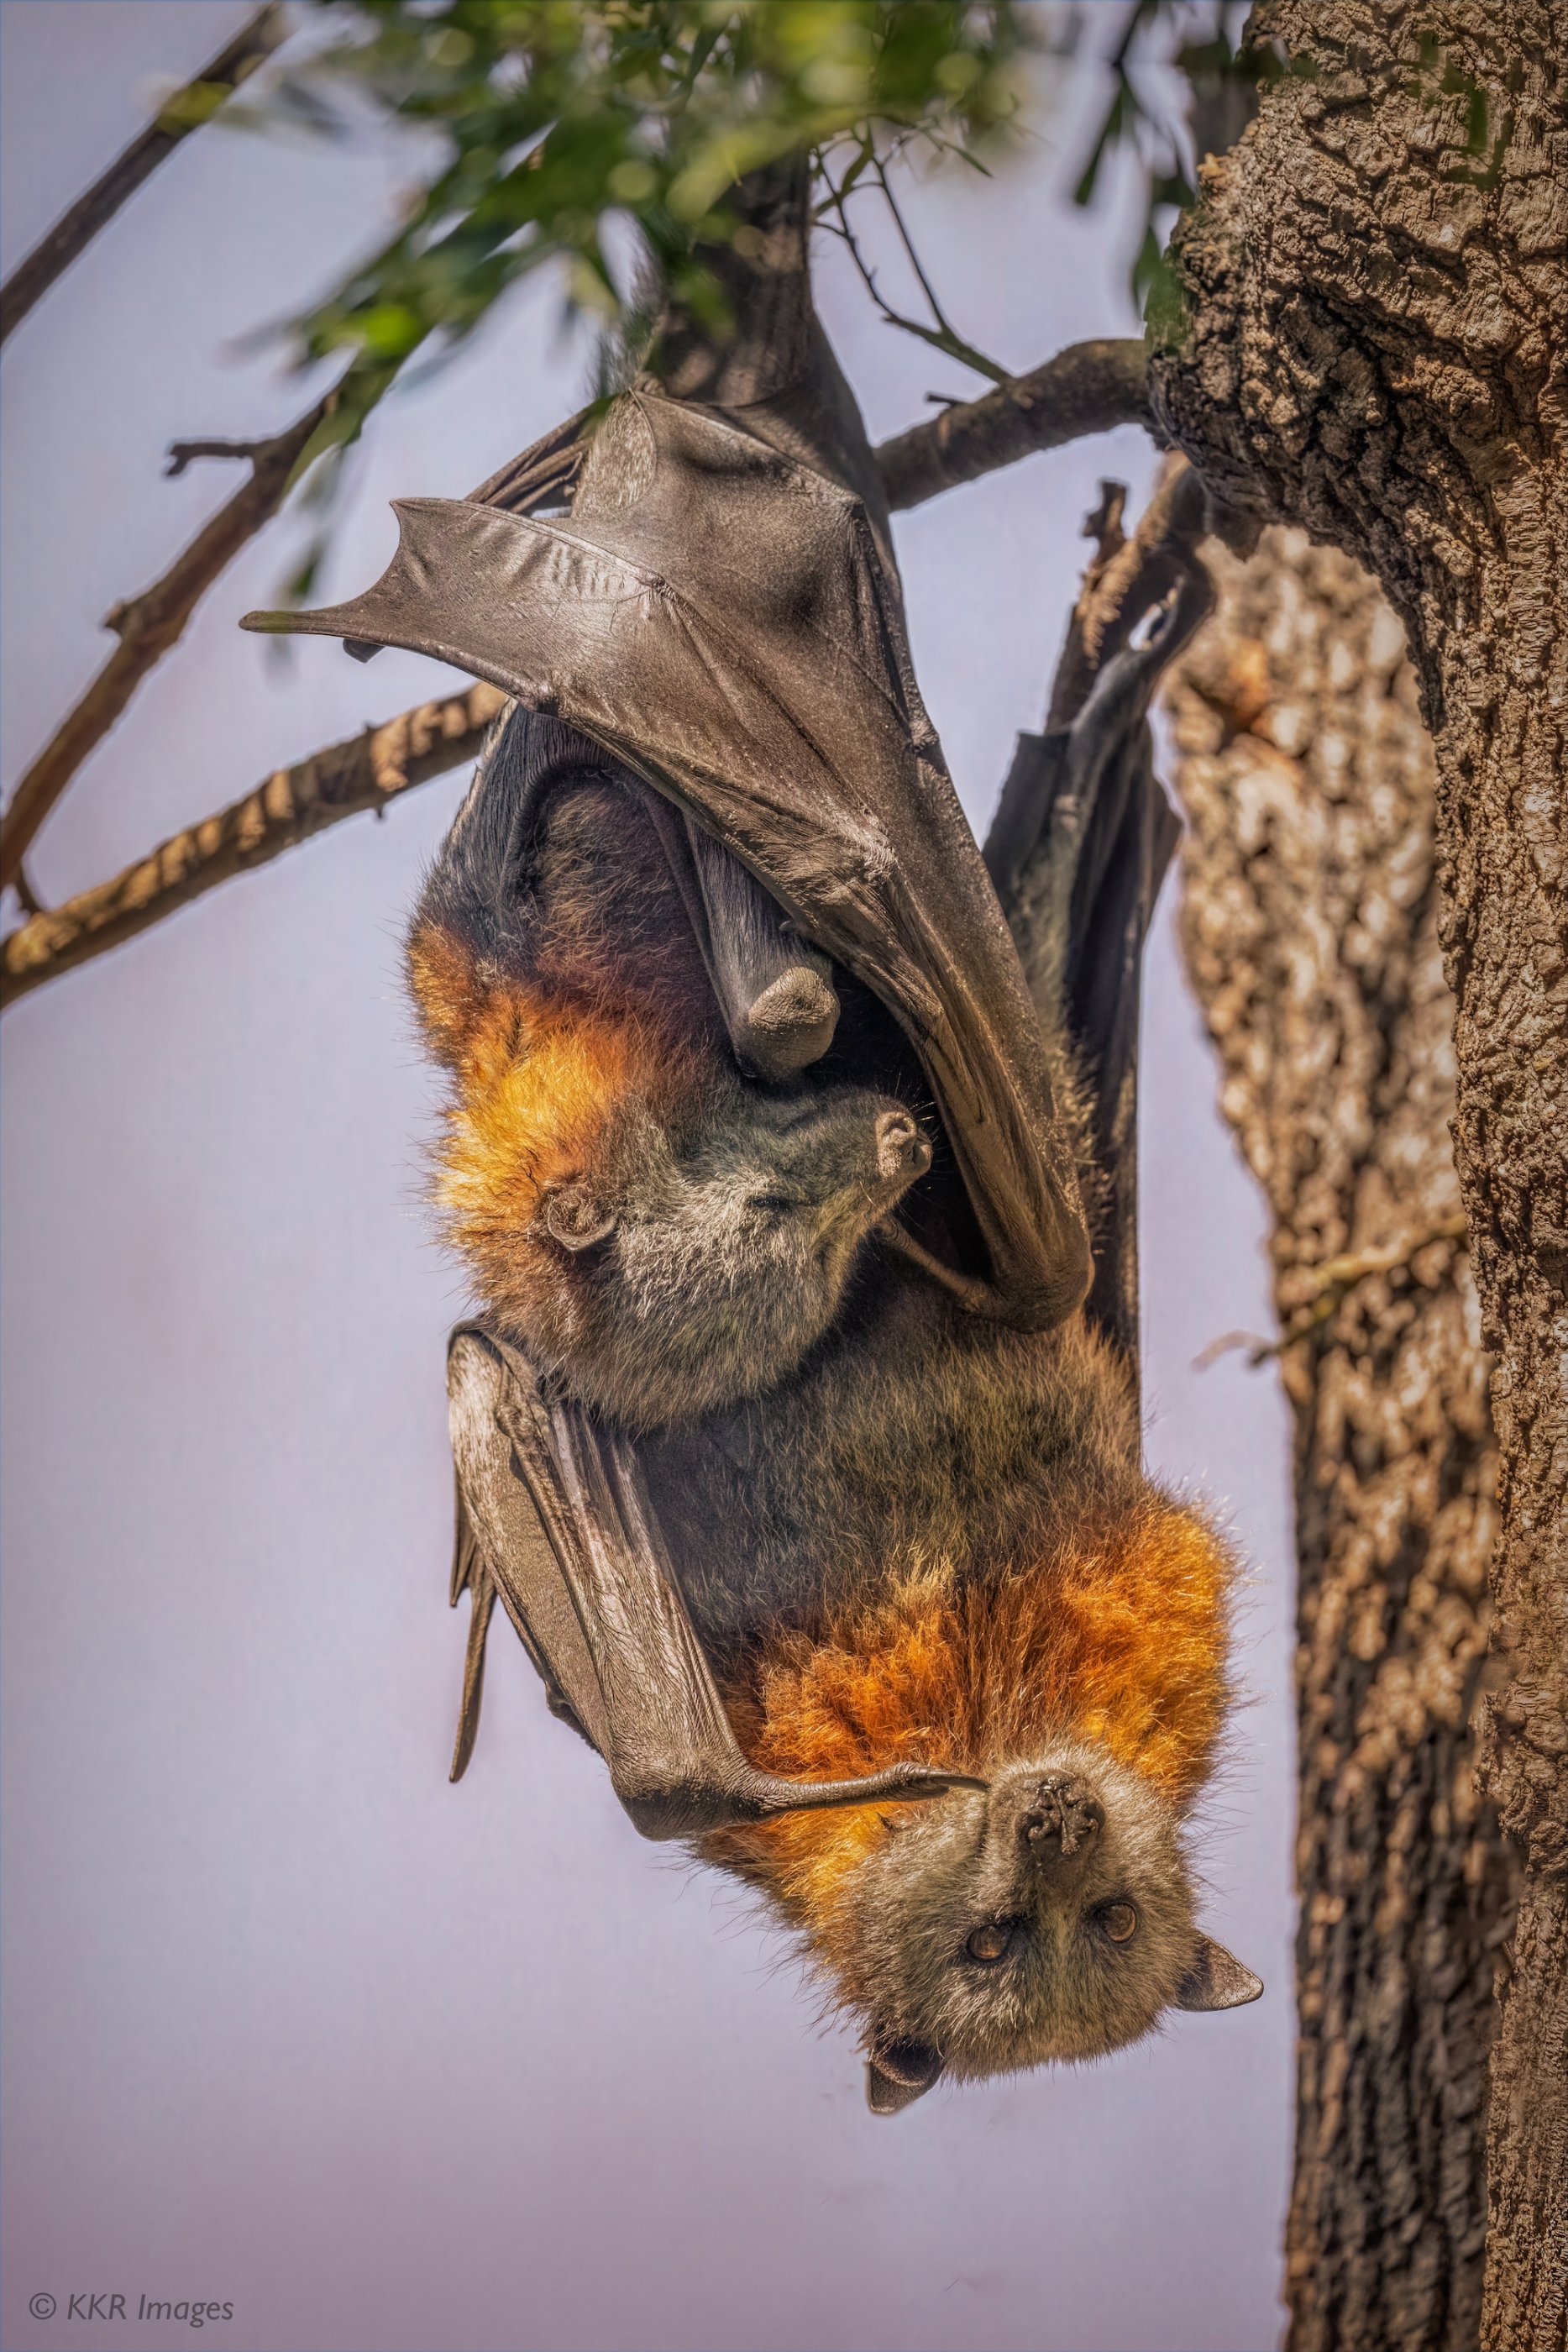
{"points": [[573, 133], [559, 117]]}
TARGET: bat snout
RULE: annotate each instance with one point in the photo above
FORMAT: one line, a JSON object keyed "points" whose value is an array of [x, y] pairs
{"points": [[902, 1152], [1053, 1818]]}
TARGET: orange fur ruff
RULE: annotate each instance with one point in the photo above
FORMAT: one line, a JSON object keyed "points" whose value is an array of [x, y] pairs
{"points": [[540, 1076], [1119, 1638]]}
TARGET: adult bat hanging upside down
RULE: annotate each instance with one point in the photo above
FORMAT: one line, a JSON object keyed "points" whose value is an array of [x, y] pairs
{"points": [[905, 1535], [787, 1438]]}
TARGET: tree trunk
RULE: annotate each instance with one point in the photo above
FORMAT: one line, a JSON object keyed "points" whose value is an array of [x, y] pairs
{"points": [[1309, 919], [1371, 343]]}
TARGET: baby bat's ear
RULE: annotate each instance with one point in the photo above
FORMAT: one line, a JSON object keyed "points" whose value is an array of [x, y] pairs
{"points": [[1216, 1979], [896, 2074], [576, 1217]]}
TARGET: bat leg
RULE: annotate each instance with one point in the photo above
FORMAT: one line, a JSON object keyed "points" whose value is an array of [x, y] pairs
{"points": [[789, 1024], [774, 989]]}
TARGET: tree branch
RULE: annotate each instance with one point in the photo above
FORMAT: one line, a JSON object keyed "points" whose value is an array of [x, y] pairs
{"points": [[147, 626], [1085, 389], [944, 336], [1082, 836], [366, 771], [184, 111], [1318, 1292], [1088, 388]]}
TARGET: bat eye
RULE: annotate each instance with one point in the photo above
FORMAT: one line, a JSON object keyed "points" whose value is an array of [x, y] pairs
{"points": [[1120, 1921], [772, 1204], [576, 1219], [990, 1943]]}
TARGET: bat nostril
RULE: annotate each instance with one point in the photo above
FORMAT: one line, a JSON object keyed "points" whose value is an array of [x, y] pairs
{"points": [[1063, 1818], [901, 1151]]}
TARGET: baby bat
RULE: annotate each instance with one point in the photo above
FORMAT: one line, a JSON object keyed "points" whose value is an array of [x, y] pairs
{"points": [[663, 1237]]}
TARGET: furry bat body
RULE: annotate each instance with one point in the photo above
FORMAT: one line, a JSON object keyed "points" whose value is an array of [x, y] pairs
{"points": [[929, 1542], [934, 1545], [908, 1552]]}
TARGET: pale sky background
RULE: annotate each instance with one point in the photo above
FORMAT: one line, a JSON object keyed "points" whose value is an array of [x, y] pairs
{"points": [[289, 2021]]}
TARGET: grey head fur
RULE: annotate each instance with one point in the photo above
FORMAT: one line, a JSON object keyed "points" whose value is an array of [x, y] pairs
{"points": [[696, 1266], [1051, 1918]]}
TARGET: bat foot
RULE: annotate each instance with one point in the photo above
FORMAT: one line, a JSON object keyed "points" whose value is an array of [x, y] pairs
{"points": [[790, 1025], [975, 1297]]}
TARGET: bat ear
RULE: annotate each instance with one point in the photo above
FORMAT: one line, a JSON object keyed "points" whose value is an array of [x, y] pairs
{"points": [[897, 2073], [1216, 1979], [576, 1218]]}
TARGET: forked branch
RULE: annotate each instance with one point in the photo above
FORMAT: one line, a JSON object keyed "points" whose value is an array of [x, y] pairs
{"points": [[149, 625], [943, 336]]}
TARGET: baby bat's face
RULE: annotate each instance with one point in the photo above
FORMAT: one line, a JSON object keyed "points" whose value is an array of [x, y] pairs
{"points": [[1051, 1918], [687, 1271]]}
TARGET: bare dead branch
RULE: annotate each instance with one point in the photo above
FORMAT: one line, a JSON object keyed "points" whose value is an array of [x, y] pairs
{"points": [[182, 112], [365, 772], [1087, 388], [147, 626], [1081, 837], [183, 454], [944, 336]]}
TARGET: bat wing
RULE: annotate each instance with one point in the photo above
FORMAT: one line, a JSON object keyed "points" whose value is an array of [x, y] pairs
{"points": [[554, 1517], [718, 615], [1077, 850]]}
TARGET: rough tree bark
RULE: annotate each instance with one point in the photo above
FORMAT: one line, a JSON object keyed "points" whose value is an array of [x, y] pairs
{"points": [[1310, 925], [1371, 344]]}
